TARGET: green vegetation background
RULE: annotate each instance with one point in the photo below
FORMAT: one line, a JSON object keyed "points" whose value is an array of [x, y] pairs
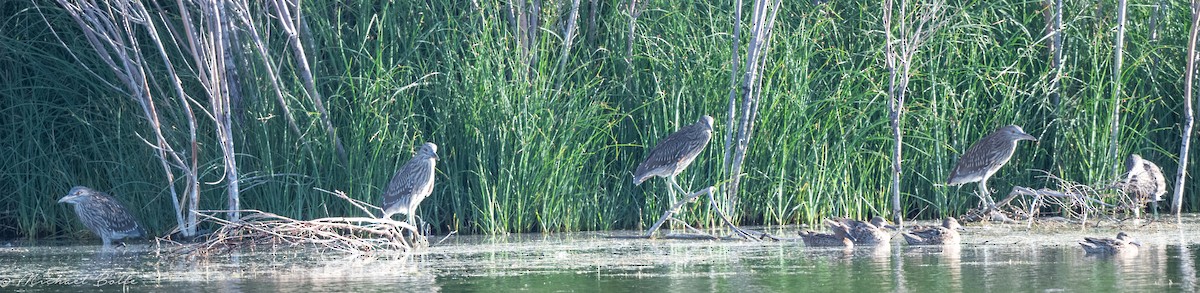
{"points": [[529, 146]]}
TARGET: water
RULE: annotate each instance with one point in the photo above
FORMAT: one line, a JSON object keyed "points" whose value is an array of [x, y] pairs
{"points": [[997, 258]]}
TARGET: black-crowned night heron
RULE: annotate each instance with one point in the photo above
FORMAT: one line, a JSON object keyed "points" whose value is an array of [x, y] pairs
{"points": [[839, 238], [986, 156], [103, 214], [411, 184], [1144, 182], [675, 153], [1122, 245], [866, 233], [947, 233]]}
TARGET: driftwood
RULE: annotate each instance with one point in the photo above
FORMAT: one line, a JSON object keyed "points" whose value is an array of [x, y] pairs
{"points": [[1074, 201], [355, 235], [349, 235], [669, 214]]}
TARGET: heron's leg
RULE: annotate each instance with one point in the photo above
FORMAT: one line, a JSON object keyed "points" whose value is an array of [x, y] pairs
{"points": [[673, 186], [412, 218], [985, 195], [675, 200], [981, 194], [679, 188], [424, 227]]}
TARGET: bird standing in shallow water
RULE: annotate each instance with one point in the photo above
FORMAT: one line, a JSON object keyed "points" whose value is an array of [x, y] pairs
{"points": [[411, 184], [103, 214], [985, 157], [673, 154], [1144, 182], [1122, 245], [947, 233]]}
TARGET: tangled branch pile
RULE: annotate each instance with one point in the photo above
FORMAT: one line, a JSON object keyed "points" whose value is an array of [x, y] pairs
{"points": [[356, 235], [1074, 201]]}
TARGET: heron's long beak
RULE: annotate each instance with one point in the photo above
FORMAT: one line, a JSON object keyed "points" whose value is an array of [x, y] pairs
{"points": [[64, 199], [1029, 137], [436, 157]]}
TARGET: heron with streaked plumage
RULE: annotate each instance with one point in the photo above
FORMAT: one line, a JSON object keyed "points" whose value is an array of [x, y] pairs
{"points": [[985, 157], [674, 153], [411, 184], [103, 214]]}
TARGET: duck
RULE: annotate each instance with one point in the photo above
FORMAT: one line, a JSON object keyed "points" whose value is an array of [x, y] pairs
{"points": [[947, 233], [1122, 245], [839, 238], [867, 233]]}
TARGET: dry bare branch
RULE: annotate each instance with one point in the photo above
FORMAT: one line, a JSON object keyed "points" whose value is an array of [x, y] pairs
{"points": [[258, 229], [749, 86], [1188, 116]]}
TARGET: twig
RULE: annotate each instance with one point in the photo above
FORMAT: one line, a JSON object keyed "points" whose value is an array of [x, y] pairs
{"points": [[733, 78], [693, 229], [439, 242], [356, 203], [670, 213], [269, 65], [568, 38], [1118, 53], [738, 231], [675, 209], [289, 25]]}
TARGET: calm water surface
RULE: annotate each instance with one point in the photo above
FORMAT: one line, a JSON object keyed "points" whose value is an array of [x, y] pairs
{"points": [[996, 258]]}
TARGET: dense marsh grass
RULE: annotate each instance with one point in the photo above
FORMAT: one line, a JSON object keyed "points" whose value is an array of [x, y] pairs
{"points": [[528, 146]]}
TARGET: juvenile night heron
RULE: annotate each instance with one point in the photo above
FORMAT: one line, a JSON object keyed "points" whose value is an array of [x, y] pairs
{"points": [[866, 233], [103, 214], [411, 184], [1144, 182], [947, 233], [675, 153], [986, 156], [1122, 245]]}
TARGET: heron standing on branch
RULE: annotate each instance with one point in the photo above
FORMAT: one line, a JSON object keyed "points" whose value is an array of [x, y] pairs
{"points": [[103, 214], [985, 157], [411, 184], [675, 153]]}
